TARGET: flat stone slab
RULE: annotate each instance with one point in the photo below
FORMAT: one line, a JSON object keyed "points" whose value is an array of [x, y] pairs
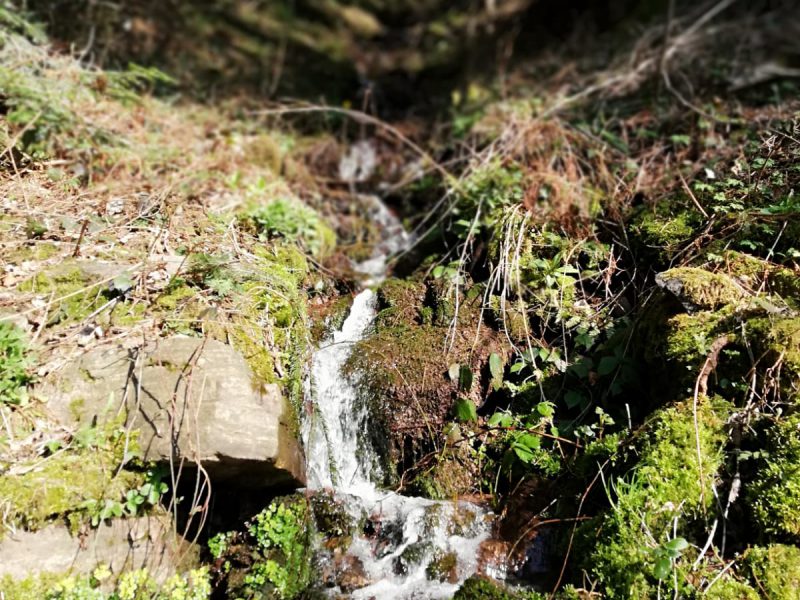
{"points": [[192, 400], [122, 544]]}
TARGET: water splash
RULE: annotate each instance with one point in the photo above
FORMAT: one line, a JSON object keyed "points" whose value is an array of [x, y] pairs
{"points": [[417, 548]]}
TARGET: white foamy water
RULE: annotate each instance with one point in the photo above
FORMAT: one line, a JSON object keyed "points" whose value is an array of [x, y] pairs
{"points": [[411, 535]]}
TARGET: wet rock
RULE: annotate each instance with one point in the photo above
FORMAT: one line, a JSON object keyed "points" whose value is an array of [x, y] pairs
{"points": [[413, 555], [351, 575], [443, 567], [145, 542], [493, 558], [463, 522], [189, 399], [385, 535], [333, 520]]}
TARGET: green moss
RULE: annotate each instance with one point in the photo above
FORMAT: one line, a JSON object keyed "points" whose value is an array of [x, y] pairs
{"points": [[291, 220], [761, 274], [412, 556], [663, 231], [33, 252], [479, 587], [175, 294], [40, 492], [68, 282], [443, 567], [400, 301], [784, 339], [728, 588], [667, 483], [452, 475], [689, 336], [75, 292], [700, 289], [775, 570], [774, 494]]}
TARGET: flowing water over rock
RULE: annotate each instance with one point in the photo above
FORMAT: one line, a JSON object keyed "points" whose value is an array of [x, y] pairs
{"points": [[409, 547]]}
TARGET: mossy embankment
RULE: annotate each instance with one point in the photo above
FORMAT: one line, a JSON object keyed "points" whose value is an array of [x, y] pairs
{"points": [[128, 217]]}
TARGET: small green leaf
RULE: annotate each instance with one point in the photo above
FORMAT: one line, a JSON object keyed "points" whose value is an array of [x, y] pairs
{"points": [[677, 544], [607, 365], [465, 378], [465, 410], [517, 366], [496, 369], [534, 442], [573, 399], [438, 271], [523, 452], [545, 409], [663, 568], [495, 419]]}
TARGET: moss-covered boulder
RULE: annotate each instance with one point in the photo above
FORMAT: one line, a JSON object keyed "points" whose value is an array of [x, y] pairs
{"points": [[774, 494], [698, 289], [775, 569], [405, 366], [478, 587], [673, 482]]}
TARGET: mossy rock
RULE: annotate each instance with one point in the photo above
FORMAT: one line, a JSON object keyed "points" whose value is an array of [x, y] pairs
{"points": [[775, 569], [774, 494], [79, 288], [728, 588], [670, 481], [761, 274], [453, 475], [479, 587], [40, 492], [698, 289], [663, 232], [334, 521], [400, 301], [413, 555], [443, 567]]}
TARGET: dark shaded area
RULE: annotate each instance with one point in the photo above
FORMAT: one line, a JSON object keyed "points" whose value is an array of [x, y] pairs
{"points": [[381, 56]]}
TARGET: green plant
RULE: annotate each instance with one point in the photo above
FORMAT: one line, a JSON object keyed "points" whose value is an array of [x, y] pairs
{"points": [[665, 556], [283, 535], [148, 494], [14, 364], [291, 220]]}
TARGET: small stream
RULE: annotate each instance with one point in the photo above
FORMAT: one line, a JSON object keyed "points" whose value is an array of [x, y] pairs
{"points": [[416, 548]]}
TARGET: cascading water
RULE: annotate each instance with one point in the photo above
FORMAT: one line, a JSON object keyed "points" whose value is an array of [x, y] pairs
{"points": [[424, 548]]}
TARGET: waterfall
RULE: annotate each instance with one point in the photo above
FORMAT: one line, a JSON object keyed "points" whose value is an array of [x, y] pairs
{"points": [[418, 538]]}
